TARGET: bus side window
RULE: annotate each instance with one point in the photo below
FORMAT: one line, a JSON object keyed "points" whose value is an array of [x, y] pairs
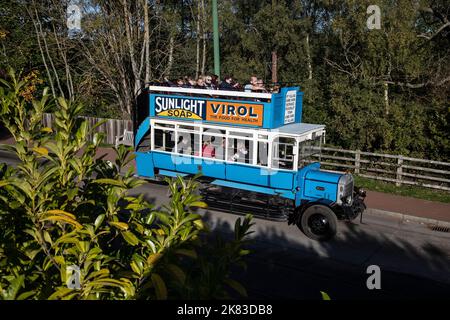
{"points": [[283, 153], [240, 150], [188, 143], [263, 153], [164, 140]]}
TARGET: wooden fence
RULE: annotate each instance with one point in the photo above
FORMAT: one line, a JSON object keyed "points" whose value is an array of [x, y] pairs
{"points": [[385, 167], [111, 128]]}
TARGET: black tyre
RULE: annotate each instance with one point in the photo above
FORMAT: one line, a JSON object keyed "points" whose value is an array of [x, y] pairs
{"points": [[318, 223]]}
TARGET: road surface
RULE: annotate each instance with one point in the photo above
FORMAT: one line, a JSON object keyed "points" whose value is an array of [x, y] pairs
{"points": [[284, 264]]}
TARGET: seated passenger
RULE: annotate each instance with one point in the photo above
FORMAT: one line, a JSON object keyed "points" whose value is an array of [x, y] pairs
{"points": [[180, 83], [209, 84], [228, 84], [259, 87], [200, 83], [249, 87], [184, 146], [215, 80], [241, 153], [208, 150], [189, 82]]}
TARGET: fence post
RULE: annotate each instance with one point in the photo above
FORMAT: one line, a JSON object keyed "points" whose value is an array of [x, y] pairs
{"points": [[399, 171], [357, 161]]}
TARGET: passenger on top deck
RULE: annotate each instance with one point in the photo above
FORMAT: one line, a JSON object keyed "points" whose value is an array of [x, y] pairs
{"points": [[209, 84], [259, 87], [189, 82], [180, 83], [215, 81], [228, 84], [253, 82], [200, 83]]}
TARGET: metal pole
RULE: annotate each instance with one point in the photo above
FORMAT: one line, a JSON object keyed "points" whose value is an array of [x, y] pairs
{"points": [[216, 38]]}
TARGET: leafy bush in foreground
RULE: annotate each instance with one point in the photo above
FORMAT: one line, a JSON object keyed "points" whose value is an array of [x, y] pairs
{"points": [[61, 207]]}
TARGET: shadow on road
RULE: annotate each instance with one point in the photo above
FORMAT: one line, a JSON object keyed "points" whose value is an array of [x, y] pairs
{"points": [[284, 264]]}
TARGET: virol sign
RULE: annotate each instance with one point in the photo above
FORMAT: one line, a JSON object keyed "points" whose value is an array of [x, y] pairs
{"points": [[236, 113]]}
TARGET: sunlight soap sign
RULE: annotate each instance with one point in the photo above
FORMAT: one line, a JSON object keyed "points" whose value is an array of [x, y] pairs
{"points": [[289, 111]]}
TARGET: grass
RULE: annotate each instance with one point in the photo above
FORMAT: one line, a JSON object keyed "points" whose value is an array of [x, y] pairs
{"points": [[404, 190]]}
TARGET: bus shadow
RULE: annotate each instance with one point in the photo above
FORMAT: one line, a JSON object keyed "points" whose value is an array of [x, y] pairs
{"points": [[284, 264]]}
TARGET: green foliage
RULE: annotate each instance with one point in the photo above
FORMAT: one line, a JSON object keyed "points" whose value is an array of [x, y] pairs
{"points": [[323, 46], [61, 207]]}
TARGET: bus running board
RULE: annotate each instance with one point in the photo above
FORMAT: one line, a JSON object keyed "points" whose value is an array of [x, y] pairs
{"points": [[246, 202]]}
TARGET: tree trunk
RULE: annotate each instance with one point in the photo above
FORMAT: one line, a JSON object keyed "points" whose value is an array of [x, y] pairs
{"points": [[197, 65], [386, 97], [146, 42], [134, 67], [308, 55], [203, 36], [170, 62], [274, 67]]}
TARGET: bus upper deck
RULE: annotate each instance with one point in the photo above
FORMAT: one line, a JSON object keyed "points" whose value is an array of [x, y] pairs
{"points": [[261, 110]]}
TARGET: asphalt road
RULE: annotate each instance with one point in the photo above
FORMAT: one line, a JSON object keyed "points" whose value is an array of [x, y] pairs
{"points": [[284, 264]]}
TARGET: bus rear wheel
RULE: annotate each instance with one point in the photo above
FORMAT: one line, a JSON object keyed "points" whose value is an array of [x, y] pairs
{"points": [[318, 223]]}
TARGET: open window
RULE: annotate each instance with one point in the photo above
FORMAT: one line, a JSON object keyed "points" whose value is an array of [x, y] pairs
{"points": [[262, 151], [310, 150], [164, 137], [188, 140], [283, 153], [240, 147]]}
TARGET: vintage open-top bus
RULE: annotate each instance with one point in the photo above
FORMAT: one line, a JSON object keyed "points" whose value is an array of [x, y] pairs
{"points": [[253, 152]]}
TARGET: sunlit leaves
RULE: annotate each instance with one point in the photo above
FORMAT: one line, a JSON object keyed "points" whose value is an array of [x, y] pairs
{"points": [[119, 225], [130, 237], [64, 210]]}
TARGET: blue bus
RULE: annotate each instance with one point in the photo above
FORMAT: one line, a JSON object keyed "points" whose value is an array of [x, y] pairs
{"points": [[252, 150]]}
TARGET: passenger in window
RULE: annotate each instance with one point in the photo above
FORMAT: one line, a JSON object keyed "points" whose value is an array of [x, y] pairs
{"points": [[241, 153], [208, 150], [184, 146]]}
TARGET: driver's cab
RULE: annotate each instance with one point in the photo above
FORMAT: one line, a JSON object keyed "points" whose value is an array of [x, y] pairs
{"points": [[297, 145]]}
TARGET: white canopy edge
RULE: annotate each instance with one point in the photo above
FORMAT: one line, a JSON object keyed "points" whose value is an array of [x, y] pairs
{"points": [[213, 92]]}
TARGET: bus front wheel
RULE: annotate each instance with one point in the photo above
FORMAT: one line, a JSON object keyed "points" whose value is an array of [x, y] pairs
{"points": [[318, 222]]}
